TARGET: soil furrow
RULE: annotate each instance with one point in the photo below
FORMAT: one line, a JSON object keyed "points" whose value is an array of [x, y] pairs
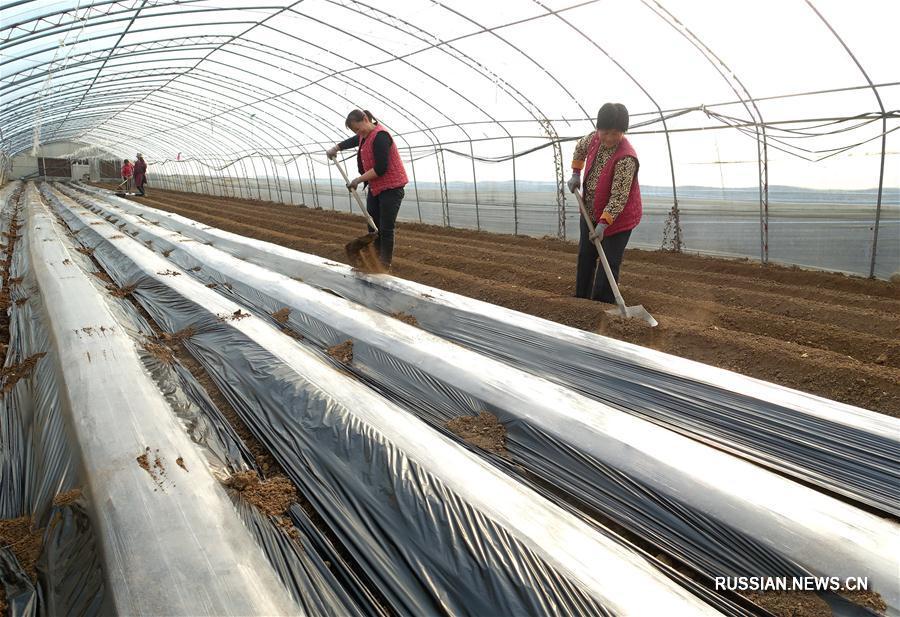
{"points": [[303, 221], [757, 325], [857, 336]]}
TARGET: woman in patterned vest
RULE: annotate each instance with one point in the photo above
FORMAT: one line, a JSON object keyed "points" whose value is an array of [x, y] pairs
{"points": [[612, 196], [379, 164]]}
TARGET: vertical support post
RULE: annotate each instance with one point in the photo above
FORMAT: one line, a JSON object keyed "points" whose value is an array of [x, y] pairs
{"points": [[412, 166], [475, 186], [560, 177], [512, 143], [442, 182], [300, 180], [878, 202]]}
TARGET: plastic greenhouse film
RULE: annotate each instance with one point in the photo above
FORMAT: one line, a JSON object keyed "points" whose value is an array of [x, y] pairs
{"points": [[846, 450], [172, 542], [36, 462], [306, 575], [781, 523], [73, 580], [296, 563], [438, 528]]}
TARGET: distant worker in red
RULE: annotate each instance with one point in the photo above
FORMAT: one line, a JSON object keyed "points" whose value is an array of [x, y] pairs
{"points": [[127, 173], [612, 196], [140, 174], [379, 164]]}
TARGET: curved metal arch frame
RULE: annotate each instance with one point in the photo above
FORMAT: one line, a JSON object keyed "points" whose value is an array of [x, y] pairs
{"points": [[263, 134]]}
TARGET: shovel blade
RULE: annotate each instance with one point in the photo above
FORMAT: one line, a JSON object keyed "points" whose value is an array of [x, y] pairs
{"points": [[635, 312]]}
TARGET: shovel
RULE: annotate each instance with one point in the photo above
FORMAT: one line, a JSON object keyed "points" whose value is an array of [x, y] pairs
{"points": [[628, 312], [355, 247]]}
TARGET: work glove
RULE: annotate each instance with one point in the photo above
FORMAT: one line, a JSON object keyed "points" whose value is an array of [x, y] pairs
{"points": [[575, 181], [332, 152], [599, 230], [354, 183]]}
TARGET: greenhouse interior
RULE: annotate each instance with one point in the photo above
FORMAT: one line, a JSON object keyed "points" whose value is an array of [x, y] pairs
{"points": [[304, 300]]}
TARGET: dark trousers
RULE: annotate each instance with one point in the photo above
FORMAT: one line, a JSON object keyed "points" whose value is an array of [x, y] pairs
{"points": [[590, 280], [383, 209]]}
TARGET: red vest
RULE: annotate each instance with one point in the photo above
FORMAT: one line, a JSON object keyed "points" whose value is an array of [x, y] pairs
{"points": [[394, 177], [630, 216]]}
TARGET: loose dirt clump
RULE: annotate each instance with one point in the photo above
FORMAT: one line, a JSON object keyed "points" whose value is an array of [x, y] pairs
{"points": [[161, 352], [144, 461], [366, 260], [274, 496], [292, 333], [483, 431], [116, 237], [178, 337], [180, 462], [153, 466], [405, 318], [167, 252], [343, 352], [103, 276], [169, 273], [121, 292], [791, 604], [282, 315], [67, 498], [85, 251], [11, 375], [25, 542], [869, 599], [235, 316]]}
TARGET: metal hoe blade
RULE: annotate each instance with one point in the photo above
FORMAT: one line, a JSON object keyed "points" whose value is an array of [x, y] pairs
{"points": [[635, 312], [627, 312]]}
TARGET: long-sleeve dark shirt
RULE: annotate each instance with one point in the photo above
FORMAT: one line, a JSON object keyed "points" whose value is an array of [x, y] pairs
{"points": [[381, 149]]}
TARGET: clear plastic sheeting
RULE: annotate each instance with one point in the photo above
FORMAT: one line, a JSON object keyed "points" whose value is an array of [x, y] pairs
{"points": [[550, 435], [437, 528], [171, 540], [843, 449], [37, 461], [772, 150]]}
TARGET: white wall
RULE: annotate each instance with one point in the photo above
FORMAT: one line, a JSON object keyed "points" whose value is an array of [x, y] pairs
{"points": [[25, 164]]}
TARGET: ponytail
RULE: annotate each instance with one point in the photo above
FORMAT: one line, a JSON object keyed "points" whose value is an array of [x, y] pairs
{"points": [[358, 115]]}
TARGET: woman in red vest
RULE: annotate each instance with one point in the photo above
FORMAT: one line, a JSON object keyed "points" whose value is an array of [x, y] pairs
{"points": [[140, 174], [127, 171], [612, 196], [379, 164]]}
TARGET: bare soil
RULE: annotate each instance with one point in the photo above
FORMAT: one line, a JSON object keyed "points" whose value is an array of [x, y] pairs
{"points": [[25, 542], [482, 431], [67, 498], [274, 495], [343, 352], [870, 599], [828, 334], [282, 315], [793, 604], [405, 318], [13, 374]]}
